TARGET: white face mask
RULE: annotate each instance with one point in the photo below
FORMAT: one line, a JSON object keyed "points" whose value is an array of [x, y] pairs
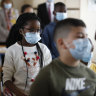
{"points": [[61, 16], [8, 6]]}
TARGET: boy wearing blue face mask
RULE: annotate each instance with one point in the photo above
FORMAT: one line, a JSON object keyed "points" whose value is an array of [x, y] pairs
{"points": [[25, 58], [47, 35], [66, 76]]}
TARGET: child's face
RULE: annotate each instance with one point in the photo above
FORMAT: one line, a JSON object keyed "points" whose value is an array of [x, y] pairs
{"points": [[75, 33], [32, 26]]}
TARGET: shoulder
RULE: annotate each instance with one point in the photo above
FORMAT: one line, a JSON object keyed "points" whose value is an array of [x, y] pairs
{"points": [[13, 48], [49, 68], [43, 46], [88, 70], [52, 24]]}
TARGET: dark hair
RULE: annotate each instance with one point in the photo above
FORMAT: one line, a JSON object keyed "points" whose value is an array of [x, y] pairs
{"points": [[2, 2], [24, 7], [13, 37], [22, 20], [63, 25], [59, 4]]}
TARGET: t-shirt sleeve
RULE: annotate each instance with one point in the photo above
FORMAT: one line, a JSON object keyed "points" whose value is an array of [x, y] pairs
{"points": [[41, 85], [8, 67], [47, 55]]}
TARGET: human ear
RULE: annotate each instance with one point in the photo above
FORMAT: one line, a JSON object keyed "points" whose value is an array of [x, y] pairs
{"points": [[61, 43], [54, 13], [21, 31]]}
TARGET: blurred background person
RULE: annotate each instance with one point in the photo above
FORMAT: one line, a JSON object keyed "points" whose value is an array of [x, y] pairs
{"points": [[26, 8], [8, 16], [45, 12], [60, 13], [12, 38]]}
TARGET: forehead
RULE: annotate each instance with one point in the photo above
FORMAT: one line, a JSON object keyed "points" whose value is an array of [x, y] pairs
{"points": [[33, 23], [61, 9], [78, 31]]}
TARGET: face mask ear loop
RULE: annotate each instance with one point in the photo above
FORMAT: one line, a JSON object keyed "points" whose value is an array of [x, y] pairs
{"points": [[67, 45]]}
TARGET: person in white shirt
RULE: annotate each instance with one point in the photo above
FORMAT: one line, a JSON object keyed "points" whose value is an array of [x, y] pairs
{"points": [[24, 59], [45, 12]]}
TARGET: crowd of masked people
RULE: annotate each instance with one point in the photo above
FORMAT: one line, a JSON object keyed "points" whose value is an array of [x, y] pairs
{"points": [[48, 54]]}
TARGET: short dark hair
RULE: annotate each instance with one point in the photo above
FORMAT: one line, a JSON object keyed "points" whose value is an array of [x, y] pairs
{"points": [[24, 7], [59, 4], [62, 28]]}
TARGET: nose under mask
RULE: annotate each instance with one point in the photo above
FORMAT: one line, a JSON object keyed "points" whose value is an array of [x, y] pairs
{"points": [[32, 37], [82, 50], [61, 16]]}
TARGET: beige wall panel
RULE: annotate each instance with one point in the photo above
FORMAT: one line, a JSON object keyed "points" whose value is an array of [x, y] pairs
{"points": [[18, 3], [73, 3], [73, 13], [64, 1], [34, 3]]}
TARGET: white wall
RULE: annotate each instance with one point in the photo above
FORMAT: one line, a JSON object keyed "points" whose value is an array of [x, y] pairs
{"points": [[89, 16]]}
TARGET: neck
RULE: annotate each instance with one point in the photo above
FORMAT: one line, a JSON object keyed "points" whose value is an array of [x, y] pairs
{"points": [[69, 62], [24, 43]]}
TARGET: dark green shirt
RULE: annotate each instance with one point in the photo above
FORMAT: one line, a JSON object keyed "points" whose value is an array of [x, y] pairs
{"points": [[58, 79]]}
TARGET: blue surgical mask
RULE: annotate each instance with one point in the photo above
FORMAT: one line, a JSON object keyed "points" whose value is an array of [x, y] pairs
{"points": [[61, 16], [32, 37], [82, 49], [7, 6], [88, 58]]}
